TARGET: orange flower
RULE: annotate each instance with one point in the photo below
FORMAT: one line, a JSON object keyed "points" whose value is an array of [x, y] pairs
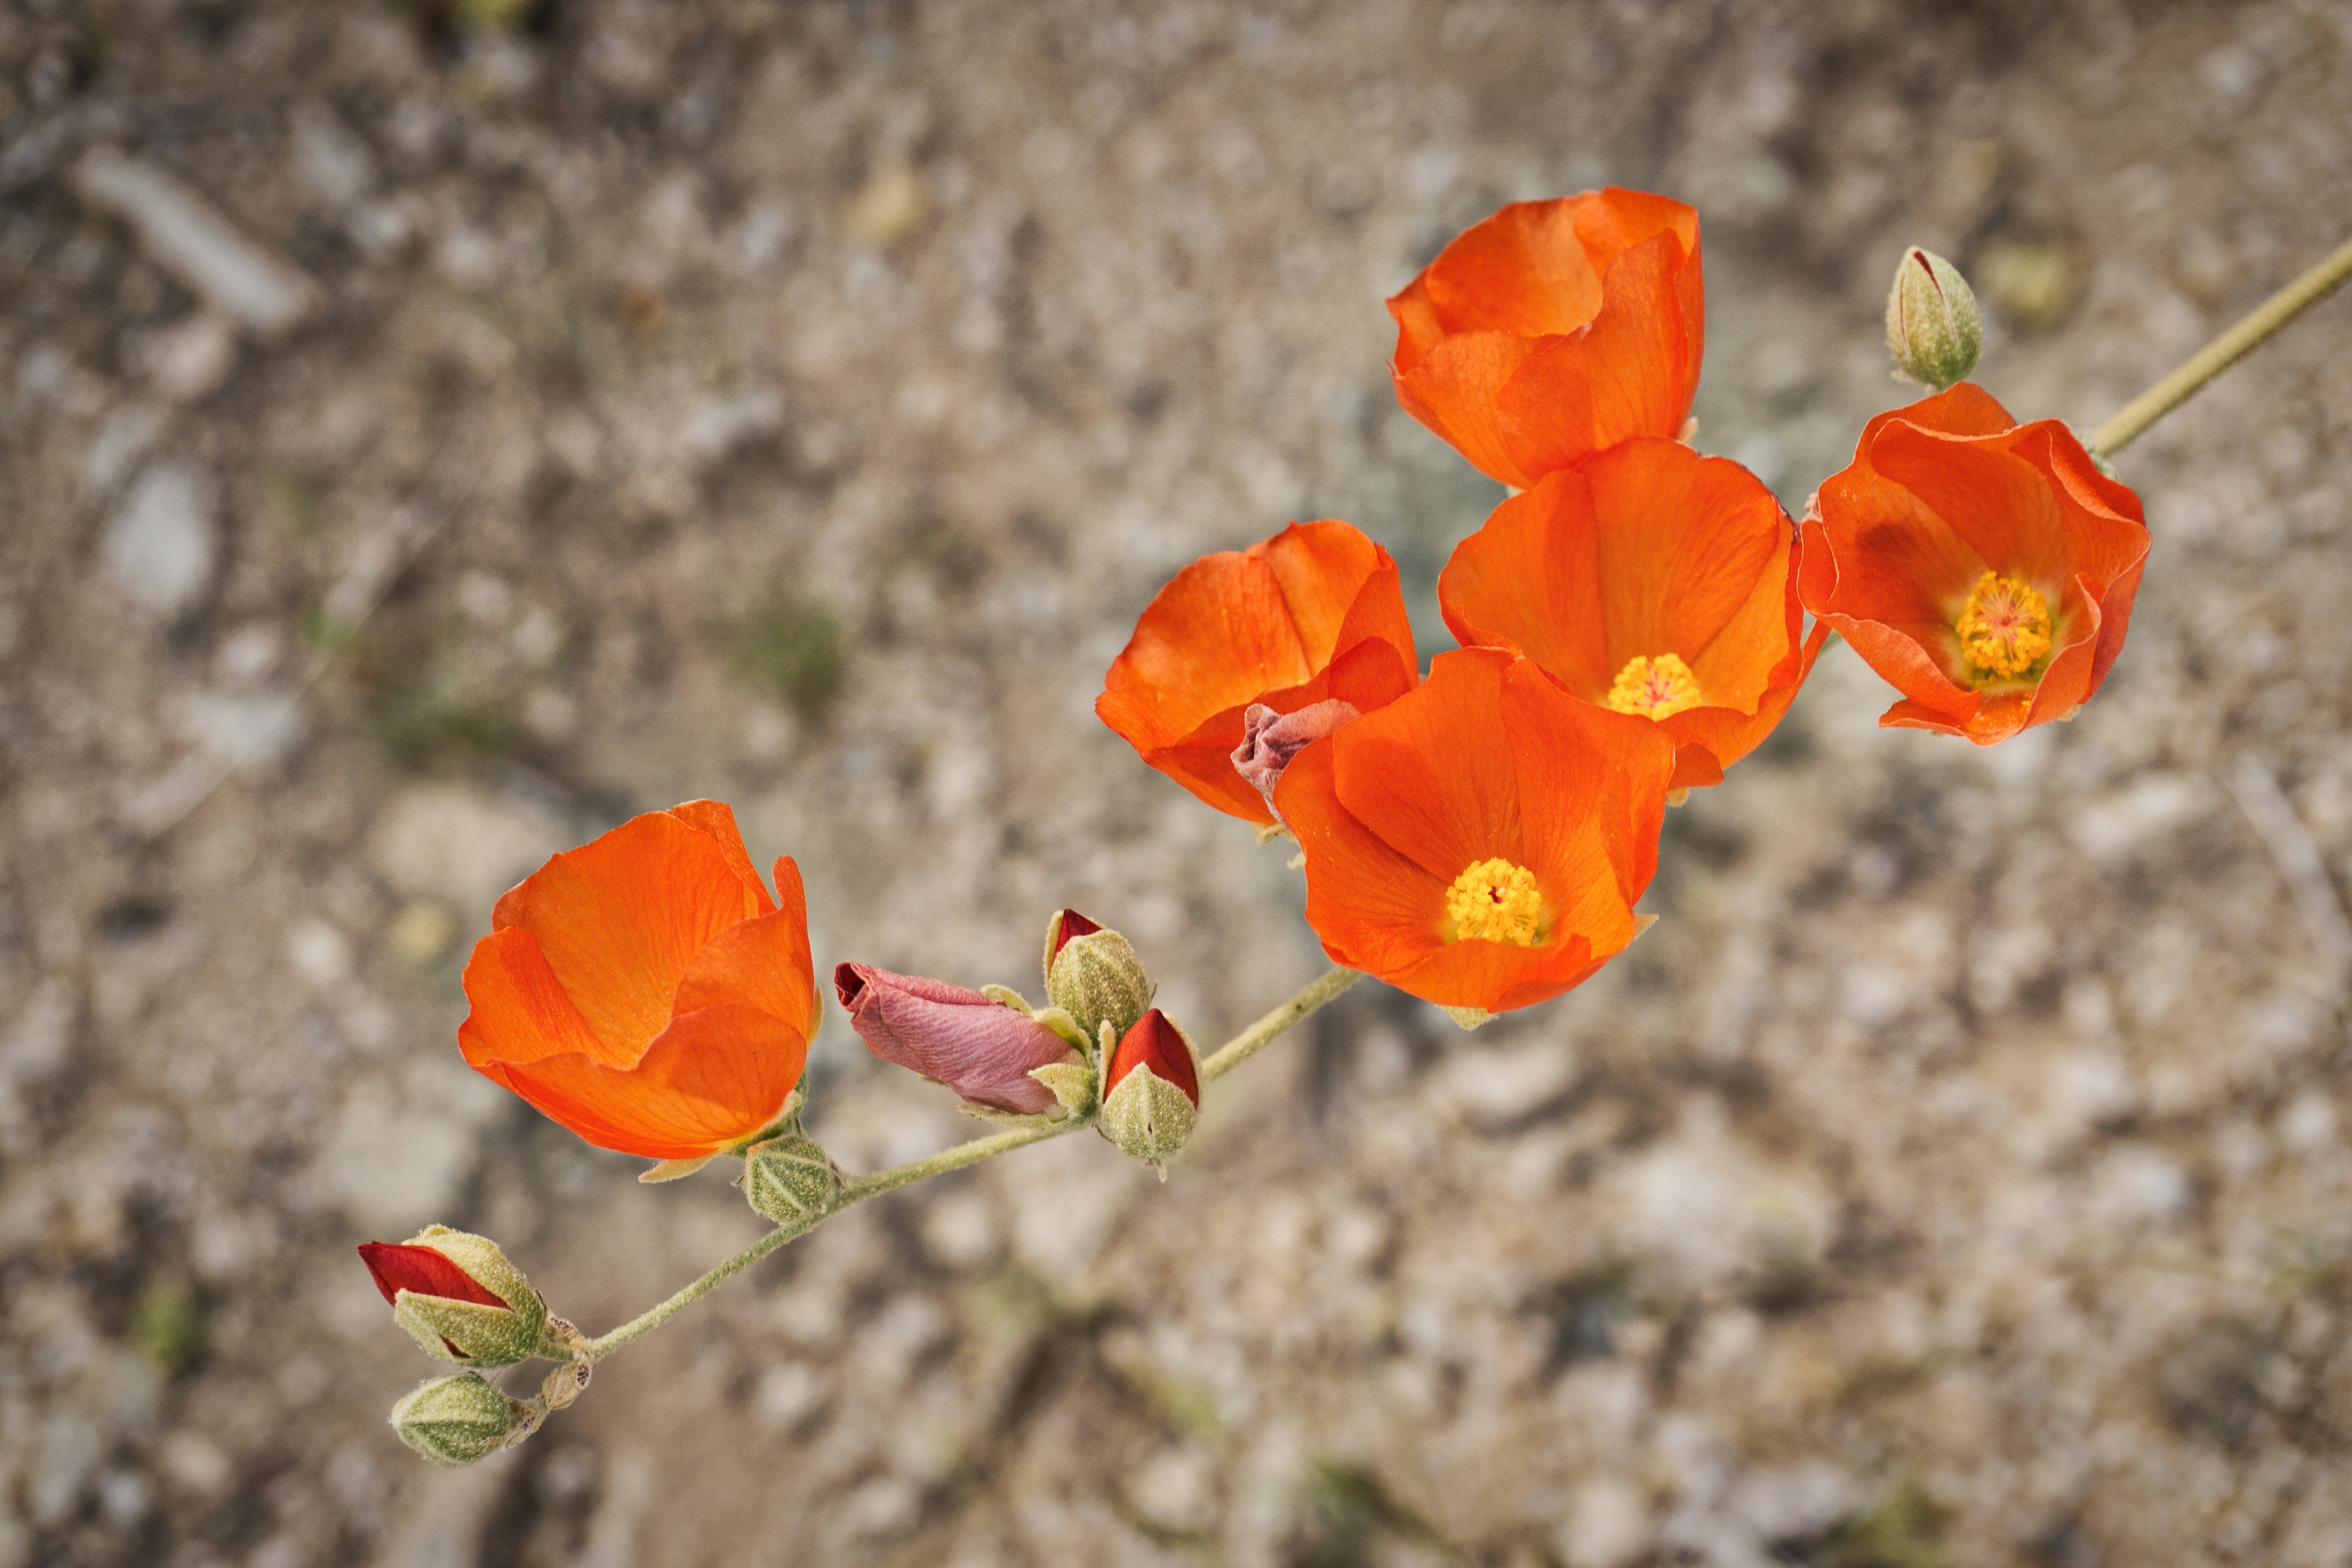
{"points": [[1555, 329], [1649, 580], [645, 991], [1311, 615], [1985, 568], [1479, 843]]}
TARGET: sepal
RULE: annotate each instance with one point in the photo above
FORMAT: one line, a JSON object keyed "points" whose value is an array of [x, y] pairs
{"points": [[1073, 1084]]}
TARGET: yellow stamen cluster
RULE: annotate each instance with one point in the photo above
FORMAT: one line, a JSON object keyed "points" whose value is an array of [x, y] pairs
{"points": [[1655, 687], [1495, 901], [2004, 629]]}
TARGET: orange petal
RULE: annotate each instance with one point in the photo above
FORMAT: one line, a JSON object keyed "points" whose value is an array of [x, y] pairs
{"points": [[1630, 373], [1683, 541], [520, 1011], [1217, 635], [762, 963], [1323, 569], [1418, 329], [1709, 740], [1495, 975], [1371, 674], [1206, 769], [1585, 770], [620, 919], [1453, 389], [1525, 271], [1965, 409], [718, 819], [1375, 908], [712, 1078], [1900, 660], [2000, 504], [1431, 775], [1611, 222], [1529, 581]]}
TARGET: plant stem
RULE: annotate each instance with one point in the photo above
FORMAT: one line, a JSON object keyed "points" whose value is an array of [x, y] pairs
{"points": [[2223, 353], [1235, 1051], [1255, 1039]]}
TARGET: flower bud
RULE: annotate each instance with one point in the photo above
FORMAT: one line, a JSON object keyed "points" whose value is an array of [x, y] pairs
{"points": [[981, 1048], [1152, 1089], [1093, 975], [458, 1419], [1269, 739], [1932, 327], [790, 1179], [460, 1298]]}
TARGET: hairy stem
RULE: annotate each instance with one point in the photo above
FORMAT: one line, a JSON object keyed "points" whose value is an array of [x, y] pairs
{"points": [[2223, 353], [1255, 1039], [1235, 1051]]}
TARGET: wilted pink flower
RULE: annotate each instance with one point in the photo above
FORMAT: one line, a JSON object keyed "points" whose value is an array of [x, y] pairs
{"points": [[978, 1046], [1269, 739]]}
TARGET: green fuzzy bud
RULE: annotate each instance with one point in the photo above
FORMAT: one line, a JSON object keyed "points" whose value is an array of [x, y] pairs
{"points": [[1095, 977], [790, 1179], [1149, 1117], [473, 1333], [458, 1419], [1932, 327]]}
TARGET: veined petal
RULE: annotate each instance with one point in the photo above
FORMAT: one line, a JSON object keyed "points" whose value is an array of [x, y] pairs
{"points": [[711, 1079], [1432, 773], [620, 919]]}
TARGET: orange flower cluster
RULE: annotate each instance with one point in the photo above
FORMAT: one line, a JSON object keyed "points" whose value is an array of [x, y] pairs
{"points": [[1632, 622]]}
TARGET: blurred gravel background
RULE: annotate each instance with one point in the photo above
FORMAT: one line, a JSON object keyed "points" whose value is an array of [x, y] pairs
{"points": [[428, 436]]}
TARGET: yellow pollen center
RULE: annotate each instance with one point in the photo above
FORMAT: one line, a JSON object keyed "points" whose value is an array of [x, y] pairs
{"points": [[1495, 901], [2004, 629], [1657, 688]]}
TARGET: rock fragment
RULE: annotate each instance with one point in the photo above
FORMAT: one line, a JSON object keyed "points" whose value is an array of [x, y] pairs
{"points": [[160, 545], [196, 243]]}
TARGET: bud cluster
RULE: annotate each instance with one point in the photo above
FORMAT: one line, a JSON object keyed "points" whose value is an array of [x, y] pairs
{"points": [[1097, 1050], [462, 1300]]}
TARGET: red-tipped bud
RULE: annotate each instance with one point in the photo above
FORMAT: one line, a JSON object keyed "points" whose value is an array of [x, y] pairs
{"points": [[1157, 1044], [1151, 1090], [397, 1267], [1069, 923], [981, 1048], [460, 1298], [1092, 974], [1269, 739]]}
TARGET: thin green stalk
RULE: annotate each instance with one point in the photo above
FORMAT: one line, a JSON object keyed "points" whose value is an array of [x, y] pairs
{"points": [[1255, 1039], [2223, 353], [1235, 1051]]}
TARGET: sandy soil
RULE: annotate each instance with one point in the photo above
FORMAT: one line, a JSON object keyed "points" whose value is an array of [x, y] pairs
{"points": [[795, 405]]}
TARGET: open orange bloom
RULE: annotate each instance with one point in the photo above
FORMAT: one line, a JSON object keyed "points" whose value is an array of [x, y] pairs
{"points": [[1985, 568], [1555, 329], [1479, 843], [1312, 616], [645, 991], [1648, 579]]}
